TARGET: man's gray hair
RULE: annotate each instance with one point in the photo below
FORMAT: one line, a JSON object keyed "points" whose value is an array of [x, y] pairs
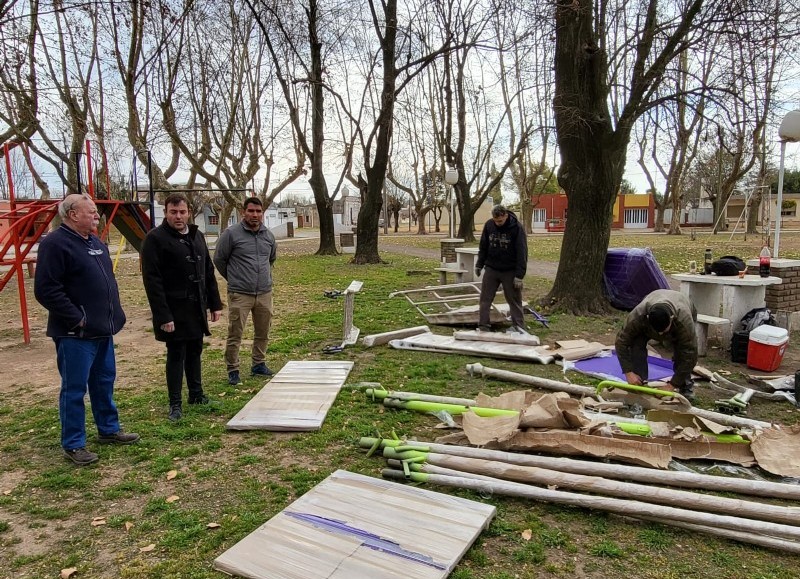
{"points": [[69, 203], [499, 210]]}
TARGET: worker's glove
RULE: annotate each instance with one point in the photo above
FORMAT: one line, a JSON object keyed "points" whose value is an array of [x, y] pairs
{"points": [[517, 283], [478, 271]]}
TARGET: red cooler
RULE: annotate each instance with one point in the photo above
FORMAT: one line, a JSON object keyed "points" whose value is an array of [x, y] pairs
{"points": [[766, 348]]}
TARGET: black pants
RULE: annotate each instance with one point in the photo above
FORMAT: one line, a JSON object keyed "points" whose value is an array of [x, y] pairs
{"points": [[183, 357], [492, 279], [639, 357]]}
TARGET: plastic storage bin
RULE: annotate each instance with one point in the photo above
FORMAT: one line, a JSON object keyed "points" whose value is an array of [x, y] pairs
{"points": [[766, 348]]}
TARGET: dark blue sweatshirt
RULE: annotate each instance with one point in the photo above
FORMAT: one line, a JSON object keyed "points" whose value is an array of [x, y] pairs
{"points": [[75, 282]]}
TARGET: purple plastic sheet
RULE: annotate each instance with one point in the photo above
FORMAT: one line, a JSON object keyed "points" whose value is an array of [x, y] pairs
{"points": [[629, 275], [608, 368]]}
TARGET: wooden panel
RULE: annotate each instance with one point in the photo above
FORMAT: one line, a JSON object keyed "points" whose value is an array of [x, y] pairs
{"points": [[328, 533], [296, 399]]}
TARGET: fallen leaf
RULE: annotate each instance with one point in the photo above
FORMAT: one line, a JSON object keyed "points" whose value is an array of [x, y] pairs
{"points": [[128, 525], [147, 549], [221, 394], [213, 526], [172, 499], [172, 474], [6, 493], [527, 534], [68, 572], [97, 521]]}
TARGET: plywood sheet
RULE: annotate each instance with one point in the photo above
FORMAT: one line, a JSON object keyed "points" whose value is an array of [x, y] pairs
{"points": [[296, 399], [449, 345], [354, 526]]}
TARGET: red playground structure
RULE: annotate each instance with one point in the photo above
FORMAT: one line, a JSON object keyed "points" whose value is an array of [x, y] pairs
{"points": [[24, 221]]}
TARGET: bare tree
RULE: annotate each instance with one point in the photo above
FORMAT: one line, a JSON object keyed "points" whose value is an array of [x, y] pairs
{"points": [[596, 42]]}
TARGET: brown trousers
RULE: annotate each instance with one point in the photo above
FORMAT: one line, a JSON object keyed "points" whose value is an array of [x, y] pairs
{"points": [[239, 308]]}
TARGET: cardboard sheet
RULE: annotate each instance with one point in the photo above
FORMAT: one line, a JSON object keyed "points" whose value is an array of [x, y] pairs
{"points": [[778, 451], [351, 525], [296, 399]]}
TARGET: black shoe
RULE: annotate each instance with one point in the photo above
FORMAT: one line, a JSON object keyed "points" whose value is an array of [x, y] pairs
{"points": [[202, 399], [234, 379], [118, 438], [687, 391], [261, 369], [81, 456], [175, 412]]}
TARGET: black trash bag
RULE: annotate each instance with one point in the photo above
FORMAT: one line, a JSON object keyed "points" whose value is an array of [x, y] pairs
{"points": [[756, 317], [728, 265]]}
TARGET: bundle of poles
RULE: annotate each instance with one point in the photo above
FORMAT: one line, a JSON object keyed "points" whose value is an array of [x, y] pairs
{"points": [[658, 496]]}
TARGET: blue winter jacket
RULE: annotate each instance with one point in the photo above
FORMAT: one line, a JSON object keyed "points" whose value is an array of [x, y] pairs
{"points": [[75, 282]]}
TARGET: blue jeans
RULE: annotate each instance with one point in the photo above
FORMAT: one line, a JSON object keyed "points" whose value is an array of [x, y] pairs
{"points": [[86, 364]]}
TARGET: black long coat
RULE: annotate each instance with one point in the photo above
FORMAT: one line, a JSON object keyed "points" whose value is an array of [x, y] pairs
{"points": [[179, 280]]}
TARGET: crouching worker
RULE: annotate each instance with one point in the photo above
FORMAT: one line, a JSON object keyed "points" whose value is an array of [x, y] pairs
{"points": [[667, 317]]}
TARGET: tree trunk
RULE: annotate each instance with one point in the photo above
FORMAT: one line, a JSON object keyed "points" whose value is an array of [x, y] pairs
{"points": [[592, 160]]}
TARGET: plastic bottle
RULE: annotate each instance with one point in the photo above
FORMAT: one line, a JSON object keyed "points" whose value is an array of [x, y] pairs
{"points": [[707, 259], [763, 261]]}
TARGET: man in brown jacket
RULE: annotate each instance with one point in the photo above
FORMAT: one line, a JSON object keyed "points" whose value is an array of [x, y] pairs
{"points": [[668, 317]]}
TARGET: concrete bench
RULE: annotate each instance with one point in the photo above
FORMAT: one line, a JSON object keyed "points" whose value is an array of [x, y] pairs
{"points": [[701, 329], [443, 271]]}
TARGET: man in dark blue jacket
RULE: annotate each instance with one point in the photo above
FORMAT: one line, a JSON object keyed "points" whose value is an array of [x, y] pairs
{"points": [[503, 251], [75, 283]]}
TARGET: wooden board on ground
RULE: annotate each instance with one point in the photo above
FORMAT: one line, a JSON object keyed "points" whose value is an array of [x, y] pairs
{"points": [[329, 534], [296, 399], [449, 345], [589, 350]]}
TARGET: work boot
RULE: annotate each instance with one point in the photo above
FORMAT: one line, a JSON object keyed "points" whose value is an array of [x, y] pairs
{"points": [[687, 390], [175, 412], [261, 369], [485, 328], [119, 437], [81, 456], [234, 379], [202, 399]]}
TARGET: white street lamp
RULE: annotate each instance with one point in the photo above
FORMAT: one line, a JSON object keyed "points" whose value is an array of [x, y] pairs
{"points": [[451, 178], [789, 132]]}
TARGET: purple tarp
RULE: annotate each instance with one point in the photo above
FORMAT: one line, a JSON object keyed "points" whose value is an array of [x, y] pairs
{"points": [[608, 368], [629, 275]]}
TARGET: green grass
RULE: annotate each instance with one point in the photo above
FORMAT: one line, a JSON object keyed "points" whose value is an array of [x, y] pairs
{"points": [[241, 479]]}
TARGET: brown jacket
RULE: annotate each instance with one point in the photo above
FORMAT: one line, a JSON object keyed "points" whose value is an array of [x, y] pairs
{"points": [[681, 335]]}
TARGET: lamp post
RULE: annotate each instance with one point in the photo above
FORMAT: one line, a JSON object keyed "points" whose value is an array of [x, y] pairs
{"points": [[451, 178], [789, 132]]}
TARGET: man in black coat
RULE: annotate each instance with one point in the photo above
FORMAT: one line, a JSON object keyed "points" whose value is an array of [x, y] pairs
{"points": [[181, 288], [503, 251]]}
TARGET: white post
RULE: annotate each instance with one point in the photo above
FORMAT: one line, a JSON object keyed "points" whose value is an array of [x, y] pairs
{"points": [[779, 217], [789, 131]]}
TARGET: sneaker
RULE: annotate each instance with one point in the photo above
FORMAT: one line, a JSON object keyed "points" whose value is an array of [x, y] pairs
{"points": [[80, 456], [118, 438], [234, 379], [175, 412], [484, 328], [202, 399], [261, 369]]}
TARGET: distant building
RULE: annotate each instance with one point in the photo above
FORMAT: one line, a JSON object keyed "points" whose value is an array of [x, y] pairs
{"points": [[634, 211]]}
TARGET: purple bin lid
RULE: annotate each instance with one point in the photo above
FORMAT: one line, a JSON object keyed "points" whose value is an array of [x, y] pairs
{"points": [[630, 274]]}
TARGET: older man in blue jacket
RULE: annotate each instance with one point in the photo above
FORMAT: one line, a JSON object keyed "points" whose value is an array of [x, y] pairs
{"points": [[75, 283]]}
